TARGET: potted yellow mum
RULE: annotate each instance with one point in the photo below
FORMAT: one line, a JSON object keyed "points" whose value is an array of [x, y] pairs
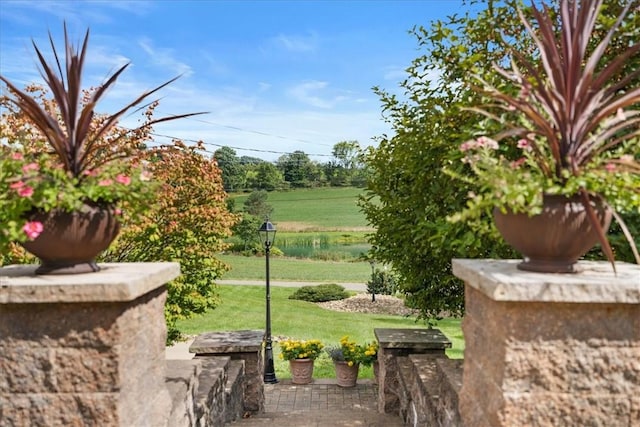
{"points": [[301, 355], [347, 359]]}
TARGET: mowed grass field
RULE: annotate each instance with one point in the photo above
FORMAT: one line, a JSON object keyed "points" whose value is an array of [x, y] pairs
{"points": [[316, 209], [294, 269], [324, 227]]}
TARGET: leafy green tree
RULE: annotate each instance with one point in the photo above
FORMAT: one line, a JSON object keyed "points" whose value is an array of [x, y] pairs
{"points": [[250, 161], [346, 164], [297, 168], [265, 176], [382, 282], [232, 170], [414, 196], [409, 196], [347, 154], [256, 204], [247, 230]]}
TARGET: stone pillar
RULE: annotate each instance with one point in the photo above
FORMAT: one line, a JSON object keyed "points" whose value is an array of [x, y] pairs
{"points": [[238, 345], [394, 343], [550, 349], [84, 349]]}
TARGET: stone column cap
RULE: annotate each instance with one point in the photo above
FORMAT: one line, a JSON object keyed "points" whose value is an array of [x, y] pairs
{"points": [[222, 342], [115, 282], [500, 280], [412, 338]]}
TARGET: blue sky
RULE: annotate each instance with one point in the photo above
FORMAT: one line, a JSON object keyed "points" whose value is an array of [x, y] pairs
{"points": [[276, 76]]}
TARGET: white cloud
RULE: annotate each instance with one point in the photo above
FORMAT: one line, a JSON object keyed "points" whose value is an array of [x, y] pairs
{"points": [[258, 133], [308, 93], [297, 43], [91, 11], [263, 87], [214, 65], [395, 73], [164, 58]]}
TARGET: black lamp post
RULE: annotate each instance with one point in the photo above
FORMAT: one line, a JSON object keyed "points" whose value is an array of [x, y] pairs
{"points": [[267, 233], [373, 279]]}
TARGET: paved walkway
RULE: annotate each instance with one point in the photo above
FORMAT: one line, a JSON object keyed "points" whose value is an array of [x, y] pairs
{"points": [[321, 404]]}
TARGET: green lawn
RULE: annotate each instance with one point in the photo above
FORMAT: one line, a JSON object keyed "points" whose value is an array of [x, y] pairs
{"points": [[317, 209], [243, 307], [292, 269]]}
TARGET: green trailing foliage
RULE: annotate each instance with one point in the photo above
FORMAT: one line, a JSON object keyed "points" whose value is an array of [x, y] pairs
{"points": [[320, 293]]}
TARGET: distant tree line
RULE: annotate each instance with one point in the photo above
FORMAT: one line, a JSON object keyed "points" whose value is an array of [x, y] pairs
{"points": [[292, 170]]}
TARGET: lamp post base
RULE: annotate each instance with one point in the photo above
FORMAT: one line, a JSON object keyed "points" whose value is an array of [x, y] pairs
{"points": [[269, 370], [270, 379]]}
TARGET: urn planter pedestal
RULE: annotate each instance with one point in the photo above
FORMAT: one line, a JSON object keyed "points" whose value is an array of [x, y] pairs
{"points": [[84, 349], [550, 349]]}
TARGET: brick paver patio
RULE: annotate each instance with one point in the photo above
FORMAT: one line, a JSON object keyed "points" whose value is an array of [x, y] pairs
{"points": [[321, 404]]}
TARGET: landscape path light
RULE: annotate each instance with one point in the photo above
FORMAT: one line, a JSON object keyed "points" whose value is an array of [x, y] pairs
{"points": [[267, 232]]}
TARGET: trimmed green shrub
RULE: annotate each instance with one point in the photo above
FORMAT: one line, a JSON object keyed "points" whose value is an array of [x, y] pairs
{"points": [[320, 293], [382, 283]]}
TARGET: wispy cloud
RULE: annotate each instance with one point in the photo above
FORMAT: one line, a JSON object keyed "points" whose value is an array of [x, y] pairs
{"points": [[92, 10], [307, 93], [164, 58], [395, 73], [260, 132], [263, 87], [297, 43]]}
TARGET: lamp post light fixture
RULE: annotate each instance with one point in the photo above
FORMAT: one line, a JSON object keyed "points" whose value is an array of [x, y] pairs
{"points": [[267, 232], [373, 279]]}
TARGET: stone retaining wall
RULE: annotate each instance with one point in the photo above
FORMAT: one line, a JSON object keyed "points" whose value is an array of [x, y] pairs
{"points": [[417, 380]]}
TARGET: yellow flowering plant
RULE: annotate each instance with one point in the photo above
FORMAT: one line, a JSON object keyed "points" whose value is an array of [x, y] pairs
{"points": [[351, 352], [291, 349], [370, 353]]}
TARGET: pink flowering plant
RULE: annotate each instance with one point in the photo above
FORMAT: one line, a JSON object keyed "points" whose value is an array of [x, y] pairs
{"points": [[39, 182], [569, 117], [57, 152]]}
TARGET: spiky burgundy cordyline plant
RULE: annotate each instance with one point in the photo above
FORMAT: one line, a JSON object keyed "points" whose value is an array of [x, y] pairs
{"points": [[575, 103], [75, 142]]}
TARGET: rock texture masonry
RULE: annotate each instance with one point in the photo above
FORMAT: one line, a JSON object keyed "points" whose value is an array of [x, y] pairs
{"points": [[550, 349], [84, 349]]}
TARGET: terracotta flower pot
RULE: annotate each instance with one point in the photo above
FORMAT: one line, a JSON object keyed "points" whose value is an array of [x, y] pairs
{"points": [[70, 241], [346, 376], [554, 240], [301, 371]]}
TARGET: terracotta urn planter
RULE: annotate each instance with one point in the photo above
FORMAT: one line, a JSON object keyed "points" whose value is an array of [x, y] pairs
{"points": [[346, 376], [70, 241], [301, 370], [554, 240]]}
